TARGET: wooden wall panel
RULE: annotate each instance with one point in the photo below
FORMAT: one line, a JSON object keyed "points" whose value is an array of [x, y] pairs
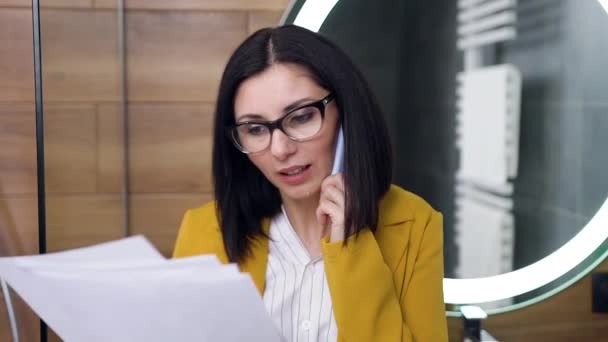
{"points": [[18, 236], [16, 3], [16, 56], [48, 3], [18, 225], [261, 19], [66, 3], [18, 206], [110, 146], [455, 329], [70, 148], [209, 5], [18, 149], [170, 148], [180, 56], [80, 56], [158, 216], [82, 220]]}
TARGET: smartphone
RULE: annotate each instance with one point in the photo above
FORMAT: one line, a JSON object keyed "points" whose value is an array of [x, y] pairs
{"points": [[339, 155]]}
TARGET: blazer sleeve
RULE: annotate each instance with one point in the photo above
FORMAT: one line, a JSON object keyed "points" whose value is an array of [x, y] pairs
{"points": [[367, 306]]}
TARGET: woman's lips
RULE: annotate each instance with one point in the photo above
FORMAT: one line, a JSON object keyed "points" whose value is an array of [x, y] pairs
{"points": [[295, 175]]}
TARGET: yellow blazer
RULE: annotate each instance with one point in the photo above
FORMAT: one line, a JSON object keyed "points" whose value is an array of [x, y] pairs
{"points": [[386, 286]]}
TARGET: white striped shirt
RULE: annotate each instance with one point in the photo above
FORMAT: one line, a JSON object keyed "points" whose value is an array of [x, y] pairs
{"points": [[297, 295]]}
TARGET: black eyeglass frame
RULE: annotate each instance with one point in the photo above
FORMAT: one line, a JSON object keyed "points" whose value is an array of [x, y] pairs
{"points": [[232, 130]]}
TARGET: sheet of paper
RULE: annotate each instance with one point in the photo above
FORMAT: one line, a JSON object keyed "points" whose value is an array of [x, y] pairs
{"points": [[113, 266], [124, 250], [109, 298]]}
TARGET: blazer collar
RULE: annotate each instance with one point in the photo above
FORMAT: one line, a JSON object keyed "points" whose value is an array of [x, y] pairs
{"points": [[391, 211]]}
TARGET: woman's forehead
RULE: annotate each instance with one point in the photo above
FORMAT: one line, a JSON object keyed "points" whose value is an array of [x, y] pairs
{"points": [[272, 90]]}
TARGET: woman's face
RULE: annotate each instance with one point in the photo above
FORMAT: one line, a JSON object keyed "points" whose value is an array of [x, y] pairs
{"points": [[296, 168]]}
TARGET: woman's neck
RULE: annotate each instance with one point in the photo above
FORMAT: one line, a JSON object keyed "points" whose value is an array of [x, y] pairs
{"points": [[302, 216]]}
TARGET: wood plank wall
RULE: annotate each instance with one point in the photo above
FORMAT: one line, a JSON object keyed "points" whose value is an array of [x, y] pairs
{"points": [[18, 187], [176, 51], [175, 59]]}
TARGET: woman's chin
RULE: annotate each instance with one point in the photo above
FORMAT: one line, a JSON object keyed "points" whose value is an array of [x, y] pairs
{"points": [[304, 193]]}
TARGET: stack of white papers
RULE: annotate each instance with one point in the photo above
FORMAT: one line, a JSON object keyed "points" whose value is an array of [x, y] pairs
{"points": [[126, 291]]}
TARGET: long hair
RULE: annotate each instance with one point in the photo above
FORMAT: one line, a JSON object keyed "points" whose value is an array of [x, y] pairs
{"points": [[244, 197]]}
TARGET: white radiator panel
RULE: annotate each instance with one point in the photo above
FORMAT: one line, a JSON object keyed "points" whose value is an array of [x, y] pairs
{"points": [[488, 125]]}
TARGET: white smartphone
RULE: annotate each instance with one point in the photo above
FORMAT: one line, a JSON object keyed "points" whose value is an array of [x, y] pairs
{"points": [[339, 155]]}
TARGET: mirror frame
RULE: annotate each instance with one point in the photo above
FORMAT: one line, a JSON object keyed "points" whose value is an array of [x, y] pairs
{"points": [[567, 265]]}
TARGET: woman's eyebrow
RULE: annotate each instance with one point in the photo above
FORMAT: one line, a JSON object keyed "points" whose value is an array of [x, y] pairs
{"points": [[293, 105], [255, 117], [298, 103]]}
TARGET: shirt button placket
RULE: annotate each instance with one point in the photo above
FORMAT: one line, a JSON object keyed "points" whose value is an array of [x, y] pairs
{"points": [[305, 323]]}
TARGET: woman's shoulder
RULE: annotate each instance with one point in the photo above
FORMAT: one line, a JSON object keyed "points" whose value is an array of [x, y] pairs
{"points": [[205, 213], [399, 205], [199, 232]]}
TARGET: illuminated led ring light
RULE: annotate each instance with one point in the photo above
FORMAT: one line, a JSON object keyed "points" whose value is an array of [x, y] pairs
{"points": [[604, 4], [488, 289]]}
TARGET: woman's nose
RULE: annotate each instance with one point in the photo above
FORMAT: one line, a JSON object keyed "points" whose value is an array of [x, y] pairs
{"points": [[281, 146]]}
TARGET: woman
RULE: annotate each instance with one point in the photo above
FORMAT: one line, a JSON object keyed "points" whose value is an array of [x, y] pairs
{"points": [[345, 257]]}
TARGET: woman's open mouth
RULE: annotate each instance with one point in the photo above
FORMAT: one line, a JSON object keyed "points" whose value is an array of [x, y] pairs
{"points": [[295, 175]]}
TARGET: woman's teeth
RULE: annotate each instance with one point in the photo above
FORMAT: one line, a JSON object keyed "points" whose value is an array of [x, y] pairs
{"points": [[296, 171]]}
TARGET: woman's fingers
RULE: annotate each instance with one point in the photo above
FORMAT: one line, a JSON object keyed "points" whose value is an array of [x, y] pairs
{"points": [[336, 180], [331, 209], [329, 212], [334, 195]]}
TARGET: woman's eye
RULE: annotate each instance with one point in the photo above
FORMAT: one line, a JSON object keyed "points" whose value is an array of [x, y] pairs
{"points": [[302, 118], [255, 130]]}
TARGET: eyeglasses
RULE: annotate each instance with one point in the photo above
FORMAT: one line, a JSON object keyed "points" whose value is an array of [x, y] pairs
{"points": [[299, 124]]}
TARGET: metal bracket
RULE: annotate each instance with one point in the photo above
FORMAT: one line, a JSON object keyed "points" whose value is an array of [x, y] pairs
{"points": [[472, 316]]}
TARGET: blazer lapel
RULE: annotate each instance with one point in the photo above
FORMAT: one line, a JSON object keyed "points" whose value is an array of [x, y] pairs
{"points": [[393, 232]]}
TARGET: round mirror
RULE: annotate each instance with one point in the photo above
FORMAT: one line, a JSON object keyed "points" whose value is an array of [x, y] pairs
{"points": [[498, 118]]}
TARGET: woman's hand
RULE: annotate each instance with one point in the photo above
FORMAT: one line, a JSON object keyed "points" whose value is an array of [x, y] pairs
{"points": [[331, 210]]}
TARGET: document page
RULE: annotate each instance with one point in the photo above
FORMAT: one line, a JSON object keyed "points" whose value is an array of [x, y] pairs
{"points": [[126, 291]]}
